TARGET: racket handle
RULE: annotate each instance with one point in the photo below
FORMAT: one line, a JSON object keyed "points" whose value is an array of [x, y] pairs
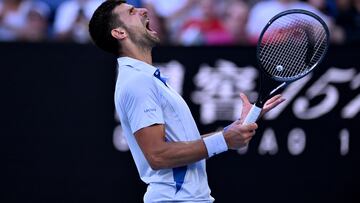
{"points": [[253, 115]]}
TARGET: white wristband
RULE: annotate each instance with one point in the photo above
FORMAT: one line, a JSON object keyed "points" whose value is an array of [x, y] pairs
{"points": [[215, 144]]}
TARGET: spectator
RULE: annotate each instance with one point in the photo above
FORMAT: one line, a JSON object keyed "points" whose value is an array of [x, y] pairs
{"points": [[349, 19], [337, 33], [263, 11], [23, 20], [53, 3], [36, 28], [235, 20], [207, 30], [72, 18], [320, 5], [167, 16]]}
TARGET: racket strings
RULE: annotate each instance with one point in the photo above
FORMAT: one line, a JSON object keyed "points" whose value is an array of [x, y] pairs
{"points": [[266, 50], [292, 45], [290, 52], [320, 46], [280, 57], [287, 51], [299, 58], [297, 54], [317, 31], [272, 38]]}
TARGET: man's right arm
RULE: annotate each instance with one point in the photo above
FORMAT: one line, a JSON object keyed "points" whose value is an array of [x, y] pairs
{"points": [[161, 154]]}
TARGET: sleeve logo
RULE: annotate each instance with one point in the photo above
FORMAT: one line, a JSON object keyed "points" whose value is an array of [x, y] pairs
{"points": [[149, 110]]}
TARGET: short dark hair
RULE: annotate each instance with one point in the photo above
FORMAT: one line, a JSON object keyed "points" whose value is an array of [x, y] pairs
{"points": [[101, 24]]}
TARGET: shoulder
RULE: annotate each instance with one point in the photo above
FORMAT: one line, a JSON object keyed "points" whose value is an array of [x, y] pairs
{"points": [[135, 77], [135, 83]]}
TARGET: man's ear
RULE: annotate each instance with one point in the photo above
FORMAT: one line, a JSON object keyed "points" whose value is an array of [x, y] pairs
{"points": [[118, 33]]}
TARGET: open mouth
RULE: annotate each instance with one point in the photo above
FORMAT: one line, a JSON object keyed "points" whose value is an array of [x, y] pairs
{"points": [[147, 26]]}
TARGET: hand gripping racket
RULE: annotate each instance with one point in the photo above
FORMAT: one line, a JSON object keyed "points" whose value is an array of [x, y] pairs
{"points": [[291, 45]]}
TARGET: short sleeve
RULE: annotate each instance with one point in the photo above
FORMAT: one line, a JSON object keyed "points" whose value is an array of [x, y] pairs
{"points": [[142, 105]]}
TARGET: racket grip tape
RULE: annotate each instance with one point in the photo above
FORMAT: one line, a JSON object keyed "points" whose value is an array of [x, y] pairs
{"points": [[253, 115]]}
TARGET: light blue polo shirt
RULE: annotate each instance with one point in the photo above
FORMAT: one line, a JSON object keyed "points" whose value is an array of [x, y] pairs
{"points": [[141, 100]]}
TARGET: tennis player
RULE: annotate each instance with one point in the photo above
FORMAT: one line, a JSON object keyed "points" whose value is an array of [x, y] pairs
{"points": [[164, 140]]}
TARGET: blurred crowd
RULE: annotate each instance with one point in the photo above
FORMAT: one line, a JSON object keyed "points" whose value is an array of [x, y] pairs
{"points": [[178, 22]]}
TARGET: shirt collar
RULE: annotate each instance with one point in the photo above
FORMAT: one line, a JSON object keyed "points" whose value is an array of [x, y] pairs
{"points": [[136, 64]]}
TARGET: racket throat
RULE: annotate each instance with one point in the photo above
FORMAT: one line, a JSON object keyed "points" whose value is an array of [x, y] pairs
{"points": [[264, 97], [277, 90]]}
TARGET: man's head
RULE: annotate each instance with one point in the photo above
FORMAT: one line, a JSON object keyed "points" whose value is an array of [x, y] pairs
{"points": [[115, 25]]}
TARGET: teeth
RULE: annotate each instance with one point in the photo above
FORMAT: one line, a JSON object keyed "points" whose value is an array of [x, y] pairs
{"points": [[147, 24]]}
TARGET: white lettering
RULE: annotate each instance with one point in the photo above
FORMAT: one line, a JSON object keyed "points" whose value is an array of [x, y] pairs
{"points": [[289, 93], [268, 144], [296, 141], [323, 88], [344, 142], [353, 107], [217, 90], [243, 150]]}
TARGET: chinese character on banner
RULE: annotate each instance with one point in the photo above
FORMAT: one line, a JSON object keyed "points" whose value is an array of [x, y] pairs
{"points": [[218, 88]]}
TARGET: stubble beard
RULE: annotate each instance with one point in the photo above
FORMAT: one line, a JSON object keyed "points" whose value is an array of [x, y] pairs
{"points": [[144, 41]]}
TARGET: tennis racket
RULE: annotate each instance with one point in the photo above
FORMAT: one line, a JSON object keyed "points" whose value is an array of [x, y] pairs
{"points": [[291, 45]]}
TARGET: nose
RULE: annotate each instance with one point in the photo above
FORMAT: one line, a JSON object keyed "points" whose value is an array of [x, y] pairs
{"points": [[143, 11]]}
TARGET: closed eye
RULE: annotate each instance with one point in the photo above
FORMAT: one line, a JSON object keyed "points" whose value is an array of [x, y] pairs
{"points": [[132, 11]]}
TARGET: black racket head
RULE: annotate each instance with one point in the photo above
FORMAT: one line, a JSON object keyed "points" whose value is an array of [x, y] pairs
{"points": [[292, 44]]}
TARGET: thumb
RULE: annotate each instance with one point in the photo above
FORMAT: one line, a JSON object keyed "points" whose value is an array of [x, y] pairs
{"points": [[244, 98], [238, 122]]}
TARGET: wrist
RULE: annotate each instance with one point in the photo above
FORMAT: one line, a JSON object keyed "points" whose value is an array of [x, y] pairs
{"points": [[215, 144]]}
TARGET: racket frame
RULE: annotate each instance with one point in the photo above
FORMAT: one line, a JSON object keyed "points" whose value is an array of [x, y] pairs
{"points": [[291, 11], [256, 109]]}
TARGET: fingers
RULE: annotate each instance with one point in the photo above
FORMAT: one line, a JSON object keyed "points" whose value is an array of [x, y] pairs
{"points": [[244, 98], [273, 102], [246, 141], [249, 127], [238, 127], [239, 135], [274, 98], [248, 133], [248, 130]]}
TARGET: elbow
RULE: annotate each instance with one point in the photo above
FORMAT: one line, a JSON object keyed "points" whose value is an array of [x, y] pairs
{"points": [[157, 162]]}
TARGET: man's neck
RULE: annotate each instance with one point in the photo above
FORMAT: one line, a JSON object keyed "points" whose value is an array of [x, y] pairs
{"points": [[141, 57], [139, 54]]}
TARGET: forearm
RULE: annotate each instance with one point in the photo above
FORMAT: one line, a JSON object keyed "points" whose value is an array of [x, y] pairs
{"points": [[162, 154], [175, 154]]}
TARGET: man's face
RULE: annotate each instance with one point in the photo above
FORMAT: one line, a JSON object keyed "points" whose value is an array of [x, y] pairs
{"points": [[137, 25]]}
